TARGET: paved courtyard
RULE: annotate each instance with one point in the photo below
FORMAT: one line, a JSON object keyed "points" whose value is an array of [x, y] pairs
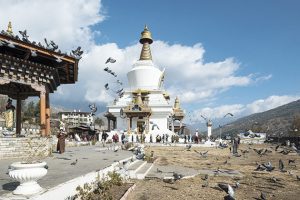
{"points": [[90, 158]]}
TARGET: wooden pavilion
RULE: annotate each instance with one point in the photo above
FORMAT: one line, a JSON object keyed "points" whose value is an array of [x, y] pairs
{"points": [[29, 69]]}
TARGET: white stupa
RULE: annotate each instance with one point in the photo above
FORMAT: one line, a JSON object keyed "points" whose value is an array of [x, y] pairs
{"points": [[144, 107]]}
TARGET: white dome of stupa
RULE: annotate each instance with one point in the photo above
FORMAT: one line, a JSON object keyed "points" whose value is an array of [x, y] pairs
{"points": [[144, 74]]}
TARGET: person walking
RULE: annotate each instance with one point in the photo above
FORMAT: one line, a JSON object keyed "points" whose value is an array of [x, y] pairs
{"points": [[61, 142]]}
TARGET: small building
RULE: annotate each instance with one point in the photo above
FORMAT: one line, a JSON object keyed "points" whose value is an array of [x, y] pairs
{"points": [[31, 69], [76, 118]]}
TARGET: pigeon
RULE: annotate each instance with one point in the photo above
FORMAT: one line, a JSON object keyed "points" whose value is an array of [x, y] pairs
{"points": [[93, 109], [120, 91], [118, 81], [237, 185], [225, 162], [33, 53], [24, 35], [291, 161], [298, 177], [158, 170], [114, 74], [203, 154], [177, 176], [46, 167], [77, 52], [54, 46], [276, 148], [281, 166], [58, 58], [188, 147], [106, 69], [106, 86], [268, 166], [263, 196], [110, 60], [75, 162], [244, 151], [205, 177], [260, 168], [227, 188], [116, 149], [47, 44]]}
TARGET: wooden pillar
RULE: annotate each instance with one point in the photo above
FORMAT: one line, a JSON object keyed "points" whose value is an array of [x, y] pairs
{"points": [[43, 113], [108, 124], [48, 113], [148, 124], [128, 124], [114, 124], [18, 116]]}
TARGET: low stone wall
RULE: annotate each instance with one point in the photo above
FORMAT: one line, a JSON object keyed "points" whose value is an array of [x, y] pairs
{"points": [[25, 147]]}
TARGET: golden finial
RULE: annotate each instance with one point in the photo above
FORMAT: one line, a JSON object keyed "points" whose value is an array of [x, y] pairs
{"points": [[9, 29], [139, 100], [146, 40], [177, 103]]}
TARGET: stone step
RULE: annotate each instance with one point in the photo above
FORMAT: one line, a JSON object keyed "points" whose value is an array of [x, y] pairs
{"points": [[135, 167], [143, 171]]}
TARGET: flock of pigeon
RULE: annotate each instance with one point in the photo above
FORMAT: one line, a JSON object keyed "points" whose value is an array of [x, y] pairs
{"points": [[49, 45], [268, 167], [120, 90]]}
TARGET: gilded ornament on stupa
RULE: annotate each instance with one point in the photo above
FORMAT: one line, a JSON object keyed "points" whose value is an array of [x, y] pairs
{"points": [[9, 29], [146, 40]]}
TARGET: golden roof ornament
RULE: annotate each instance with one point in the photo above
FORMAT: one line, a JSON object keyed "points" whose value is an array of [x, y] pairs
{"points": [[146, 40], [9, 29], [177, 103], [139, 100]]}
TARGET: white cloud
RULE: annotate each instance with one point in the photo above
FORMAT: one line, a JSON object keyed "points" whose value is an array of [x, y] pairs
{"points": [[66, 22], [239, 110], [69, 23]]}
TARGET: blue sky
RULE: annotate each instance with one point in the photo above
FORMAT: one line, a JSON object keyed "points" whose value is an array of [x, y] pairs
{"points": [[264, 36], [220, 56]]}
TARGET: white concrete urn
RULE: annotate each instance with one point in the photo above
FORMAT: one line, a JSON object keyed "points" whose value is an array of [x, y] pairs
{"points": [[27, 174]]}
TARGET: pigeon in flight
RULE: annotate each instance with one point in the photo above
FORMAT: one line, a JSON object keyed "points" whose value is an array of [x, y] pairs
{"points": [[118, 81], [114, 74], [93, 108], [106, 69], [110, 60], [106, 86], [229, 114]]}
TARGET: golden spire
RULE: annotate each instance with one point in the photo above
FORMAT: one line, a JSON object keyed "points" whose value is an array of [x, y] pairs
{"points": [[177, 104], [9, 29], [146, 40]]}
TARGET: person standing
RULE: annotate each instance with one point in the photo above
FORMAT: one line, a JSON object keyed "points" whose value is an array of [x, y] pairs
{"points": [[123, 138], [61, 142], [103, 138]]}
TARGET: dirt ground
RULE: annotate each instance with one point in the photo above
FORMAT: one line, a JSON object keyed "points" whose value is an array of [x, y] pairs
{"points": [[252, 183]]}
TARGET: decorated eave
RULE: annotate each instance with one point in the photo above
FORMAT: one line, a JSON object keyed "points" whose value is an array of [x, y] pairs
{"points": [[30, 61]]}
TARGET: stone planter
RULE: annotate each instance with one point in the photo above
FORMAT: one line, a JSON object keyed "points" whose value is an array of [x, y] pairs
{"points": [[27, 175]]}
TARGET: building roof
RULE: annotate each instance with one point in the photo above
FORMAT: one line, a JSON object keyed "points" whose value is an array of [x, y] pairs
{"points": [[43, 62]]}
